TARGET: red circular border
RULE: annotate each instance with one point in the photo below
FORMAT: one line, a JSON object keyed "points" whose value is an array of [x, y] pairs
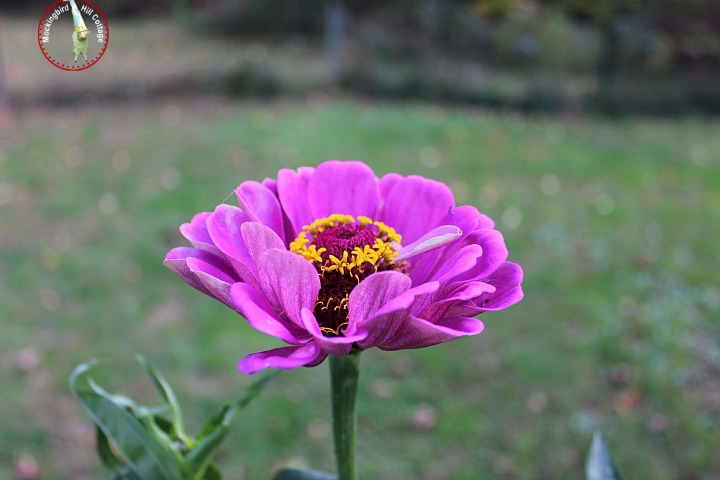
{"points": [[73, 68]]}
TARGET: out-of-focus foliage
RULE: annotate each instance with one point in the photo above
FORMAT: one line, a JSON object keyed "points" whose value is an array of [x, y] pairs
{"points": [[493, 9], [678, 33], [617, 56], [661, 35], [596, 11], [262, 17], [649, 36], [114, 7], [691, 27]]}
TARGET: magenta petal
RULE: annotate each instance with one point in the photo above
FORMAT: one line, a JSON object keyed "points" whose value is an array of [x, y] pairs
{"points": [[289, 282], [386, 321], [372, 294], [180, 268], [261, 205], [292, 190], [506, 280], [419, 333], [258, 238], [271, 184], [494, 254], [348, 188], [224, 230], [415, 205], [457, 303], [386, 184], [182, 253], [176, 260], [290, 233], [459, 264], [285, 358], [196, 232], [340, 345], [215, 280], [196, 265], [434, 239], [262, 317], [467, 218]]}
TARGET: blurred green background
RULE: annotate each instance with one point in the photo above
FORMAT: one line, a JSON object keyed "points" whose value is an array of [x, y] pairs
{"points": [[587, 134]]}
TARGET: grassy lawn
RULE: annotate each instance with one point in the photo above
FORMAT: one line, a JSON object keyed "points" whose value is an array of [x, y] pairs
{"points": [[615, 223]]}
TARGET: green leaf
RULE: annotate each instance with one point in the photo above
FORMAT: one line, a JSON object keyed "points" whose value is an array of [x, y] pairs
{"points": [[105, 451], [214, 431], [170, 399], [146, 455], [146, 444], [255, 389], [212, 473], [600, 465], [217, 427], [298, 474]]}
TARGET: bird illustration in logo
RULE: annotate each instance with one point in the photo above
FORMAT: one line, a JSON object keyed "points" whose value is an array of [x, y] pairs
{"points": [[80, 32]]}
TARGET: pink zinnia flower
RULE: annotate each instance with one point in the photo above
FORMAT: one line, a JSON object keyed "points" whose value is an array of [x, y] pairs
{"points": [[331, 258]]}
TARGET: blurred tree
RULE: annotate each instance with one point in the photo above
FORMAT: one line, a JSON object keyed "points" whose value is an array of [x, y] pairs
{"points": [[334, 38], [262, 17], [691, 26], [604, 15], [492, 10], [115, 7], [3, 87]]}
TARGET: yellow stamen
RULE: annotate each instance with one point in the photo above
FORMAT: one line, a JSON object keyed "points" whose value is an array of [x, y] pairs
{"points": [[384, 248], [341, 272]]}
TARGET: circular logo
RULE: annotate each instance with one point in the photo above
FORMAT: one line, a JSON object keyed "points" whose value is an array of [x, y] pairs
{"points": [[73, 34]]}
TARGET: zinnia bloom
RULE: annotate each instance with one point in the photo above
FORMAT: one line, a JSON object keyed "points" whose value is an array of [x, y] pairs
{"points": [[331, 258]]}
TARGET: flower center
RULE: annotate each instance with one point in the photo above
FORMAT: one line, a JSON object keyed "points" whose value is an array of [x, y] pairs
{"points": [[344, 251]]}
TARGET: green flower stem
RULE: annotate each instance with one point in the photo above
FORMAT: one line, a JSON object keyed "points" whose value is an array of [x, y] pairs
{"points": [[344, 373]]}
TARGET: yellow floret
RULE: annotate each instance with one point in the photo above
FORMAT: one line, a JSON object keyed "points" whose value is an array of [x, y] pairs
{"points": [[383, 248]]}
